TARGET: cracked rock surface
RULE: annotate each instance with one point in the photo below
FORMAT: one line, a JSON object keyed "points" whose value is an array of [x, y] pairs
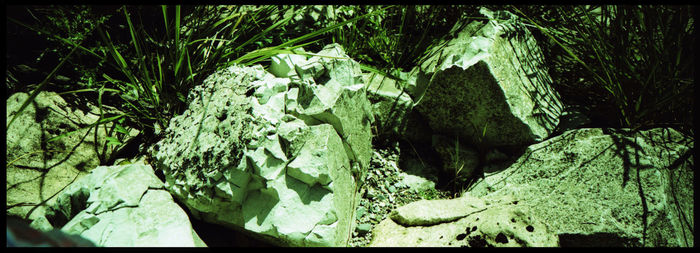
{"points": [[121, 206], [276, 153]]}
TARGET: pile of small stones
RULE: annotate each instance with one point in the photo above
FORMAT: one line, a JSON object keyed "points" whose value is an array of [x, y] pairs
{"points": [[383, 192]]}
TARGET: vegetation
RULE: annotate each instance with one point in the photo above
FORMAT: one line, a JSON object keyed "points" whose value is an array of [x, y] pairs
{"points": [[152, 63], [633, 63]]}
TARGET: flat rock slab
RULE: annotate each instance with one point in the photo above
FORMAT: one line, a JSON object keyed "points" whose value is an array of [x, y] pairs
{"points": [[121, 206], [463, 222], [594, 183], [432, 212]]}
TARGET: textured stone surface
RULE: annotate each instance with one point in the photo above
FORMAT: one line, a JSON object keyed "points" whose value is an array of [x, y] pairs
{"points": [[390, 104], [121, 206], [585, 184], [433, 212], [277, 155], [37, 170], [490, 78], [465, 221]]}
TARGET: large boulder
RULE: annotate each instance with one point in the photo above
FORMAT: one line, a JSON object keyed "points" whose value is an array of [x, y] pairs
{"points": [[275, 155], [489, 85], [601, 187], [463, 222], [121, 206], [38, 170]]}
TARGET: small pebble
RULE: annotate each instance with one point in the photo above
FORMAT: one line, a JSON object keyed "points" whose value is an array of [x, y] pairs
{"points": [[370, 194], [361, 211], [363, 228]]}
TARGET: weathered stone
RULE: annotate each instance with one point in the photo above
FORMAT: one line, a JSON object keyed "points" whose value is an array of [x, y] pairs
{"points": [[571, 118], [433, 212], [363, 228], [490, 79], [340, 99], [592, 185], [465, 221], [416, 183], [38, 170], [121, 206], [283, 65], [288, 156], [390, 104]]}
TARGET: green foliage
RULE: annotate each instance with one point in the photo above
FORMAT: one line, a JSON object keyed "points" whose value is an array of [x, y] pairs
{"points": [[456, 166], [155, 61], [432, 193], [395, 40], [633, 63]]}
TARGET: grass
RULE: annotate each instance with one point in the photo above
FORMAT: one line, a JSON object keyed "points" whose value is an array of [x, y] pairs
{"points": [[629, 65], [153, 69], [634, 63], [395, 40]]}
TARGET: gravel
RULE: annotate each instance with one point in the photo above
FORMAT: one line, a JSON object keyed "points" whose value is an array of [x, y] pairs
{"points": [[383, 192]]}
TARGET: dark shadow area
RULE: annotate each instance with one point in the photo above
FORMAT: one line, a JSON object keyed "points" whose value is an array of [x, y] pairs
{"points": [[421, 153], [596, 240], [220, 236], [66, 209], [428, 158], [215, 235]]}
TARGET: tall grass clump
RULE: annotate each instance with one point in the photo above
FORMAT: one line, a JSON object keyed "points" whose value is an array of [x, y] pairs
{"points": [[396, 39], [632, 64], [151, 56]]}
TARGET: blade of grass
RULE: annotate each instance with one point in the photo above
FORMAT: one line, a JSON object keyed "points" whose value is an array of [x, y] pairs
{"points": [[177, 26], [165, 20]]}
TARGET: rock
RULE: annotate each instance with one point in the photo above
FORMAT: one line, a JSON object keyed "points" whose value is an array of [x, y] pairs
{"points": [[416, 183], [363, 228], [283, 65], [417, 175], [283, 163], [571, 118], [38, 170], [584, 183], [390, 104], [490, 84], [465, 221], [433, 212], [20, 234], [339, 98], [361, 211], [122, 206]]}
